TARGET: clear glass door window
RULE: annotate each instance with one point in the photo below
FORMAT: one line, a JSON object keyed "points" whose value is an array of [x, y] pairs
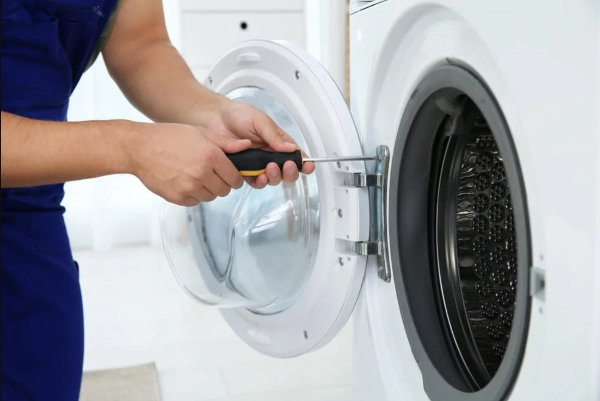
{"points": [[253, 248]]}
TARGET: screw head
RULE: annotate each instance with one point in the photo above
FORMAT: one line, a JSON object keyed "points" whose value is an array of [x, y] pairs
{"points": [[297, 74], [339, 164], [210, 80], [340, 213], [341, 261]]}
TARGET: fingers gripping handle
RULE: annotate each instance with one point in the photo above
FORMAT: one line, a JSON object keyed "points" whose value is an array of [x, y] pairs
{"points": [[253, 162]]}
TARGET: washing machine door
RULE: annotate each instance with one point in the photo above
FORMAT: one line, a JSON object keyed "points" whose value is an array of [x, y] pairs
{"points": [[281, 262]]}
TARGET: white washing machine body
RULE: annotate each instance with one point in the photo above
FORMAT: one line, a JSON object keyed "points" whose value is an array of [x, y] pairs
{"points": [[469, 252], [541, 61]]}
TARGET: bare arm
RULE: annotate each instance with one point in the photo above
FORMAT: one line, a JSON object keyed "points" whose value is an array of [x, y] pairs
{"points": [[156, 79], [183, 164], [45, 152], [151, 72]]}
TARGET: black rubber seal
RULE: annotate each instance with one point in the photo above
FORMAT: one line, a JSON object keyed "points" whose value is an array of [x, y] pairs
{"points": [[413, 175]]}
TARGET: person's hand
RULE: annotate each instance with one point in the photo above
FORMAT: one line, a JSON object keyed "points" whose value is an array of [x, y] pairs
{"points": [[185, 165], [241, 121]]}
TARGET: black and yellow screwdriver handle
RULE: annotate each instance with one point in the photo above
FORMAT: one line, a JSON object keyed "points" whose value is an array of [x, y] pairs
{"points": [[253, 162]]}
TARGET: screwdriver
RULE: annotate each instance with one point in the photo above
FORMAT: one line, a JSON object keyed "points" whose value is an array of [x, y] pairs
{"points": [[253, 162]]}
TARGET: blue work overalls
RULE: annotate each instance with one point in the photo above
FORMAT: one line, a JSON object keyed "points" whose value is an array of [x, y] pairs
{"points": [[46, 46]]}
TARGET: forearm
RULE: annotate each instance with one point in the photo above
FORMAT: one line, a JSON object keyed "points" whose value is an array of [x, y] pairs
{"points": [[158, 82], [45, 152]]}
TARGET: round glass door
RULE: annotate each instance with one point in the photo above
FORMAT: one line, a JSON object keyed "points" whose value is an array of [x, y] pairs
{"points": [[276, 260], [254, 248]]}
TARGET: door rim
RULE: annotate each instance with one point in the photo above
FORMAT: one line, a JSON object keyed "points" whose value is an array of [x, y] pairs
{"points": [[442, 378]]}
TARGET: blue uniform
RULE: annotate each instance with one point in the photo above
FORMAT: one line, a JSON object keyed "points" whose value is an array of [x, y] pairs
{"points": [[46, 46]]}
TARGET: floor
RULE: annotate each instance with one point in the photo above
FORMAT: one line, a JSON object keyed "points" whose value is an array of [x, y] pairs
{"points": [[136, 313]]}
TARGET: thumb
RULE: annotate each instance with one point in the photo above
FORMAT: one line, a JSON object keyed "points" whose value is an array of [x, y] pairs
{"points": [[228, 144], [275, 137]]}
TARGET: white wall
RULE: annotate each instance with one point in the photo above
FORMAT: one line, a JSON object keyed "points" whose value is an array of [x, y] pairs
{"points": [[118, 210]]}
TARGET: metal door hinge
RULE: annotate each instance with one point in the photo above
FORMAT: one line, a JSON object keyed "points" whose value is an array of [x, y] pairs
{"points": [[365, 248], [378, 245], [362, 180]]}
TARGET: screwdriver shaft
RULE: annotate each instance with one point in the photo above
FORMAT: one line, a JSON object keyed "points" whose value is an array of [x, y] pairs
{"points": [[339, 159]]}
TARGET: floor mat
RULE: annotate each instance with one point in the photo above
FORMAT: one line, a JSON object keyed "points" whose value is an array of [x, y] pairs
{"points": [[134, 383]]}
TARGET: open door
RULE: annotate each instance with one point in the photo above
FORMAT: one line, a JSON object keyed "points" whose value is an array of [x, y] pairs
{"points": [[281, 262]]}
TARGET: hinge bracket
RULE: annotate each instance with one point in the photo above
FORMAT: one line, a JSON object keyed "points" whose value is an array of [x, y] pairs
{"points": [[378, 246], [362, 180]]}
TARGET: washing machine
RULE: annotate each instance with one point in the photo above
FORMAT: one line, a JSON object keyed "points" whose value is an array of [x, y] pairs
{"points": [[467, 249]]}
